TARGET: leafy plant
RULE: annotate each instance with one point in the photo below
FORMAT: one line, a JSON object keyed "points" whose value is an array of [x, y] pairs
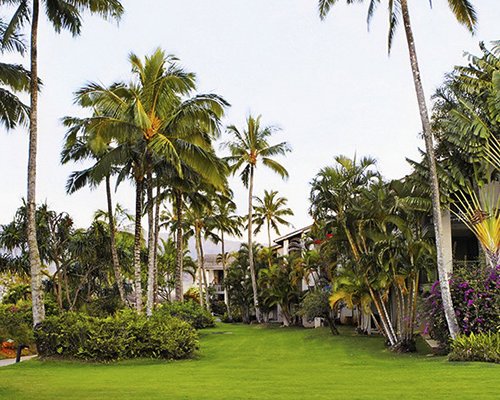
{"points": [[480, 347]]}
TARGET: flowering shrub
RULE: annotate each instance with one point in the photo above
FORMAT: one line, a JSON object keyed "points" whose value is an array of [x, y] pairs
{"points": [[476, 299]]}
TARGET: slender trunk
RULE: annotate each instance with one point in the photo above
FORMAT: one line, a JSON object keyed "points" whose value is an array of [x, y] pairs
{"points": [[250, 245], [269, 234], [157, 238], [112, 237], [436, 203], [200, 265], [34, 254], [226, 294], [137, 245], [179, 292], [207, 294], [151, 245]]}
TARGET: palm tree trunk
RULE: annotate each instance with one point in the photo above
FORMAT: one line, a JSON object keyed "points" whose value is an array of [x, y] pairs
{"points": [[112, 237], [436, 203], [157, 238], [226, 294], [151, 245], [179, 292], [137, 245], [34, 254], [200, 265], [202, 255], [250, 245]]}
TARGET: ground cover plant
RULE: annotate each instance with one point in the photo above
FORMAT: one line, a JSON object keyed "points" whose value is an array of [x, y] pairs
{"points": [[251, 362]]}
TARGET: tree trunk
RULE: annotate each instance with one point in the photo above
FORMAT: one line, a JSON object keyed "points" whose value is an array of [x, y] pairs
{"points": [[112, 237], [179, 292], [436, 203], [157, 238], [137, 245], [202, 255], [226, 294], [34, 254], [151, 245], [250, 246], [200, 264]]}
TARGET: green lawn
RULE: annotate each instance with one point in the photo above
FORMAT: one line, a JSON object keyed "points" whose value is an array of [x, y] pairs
{"points": [[251, 362]]}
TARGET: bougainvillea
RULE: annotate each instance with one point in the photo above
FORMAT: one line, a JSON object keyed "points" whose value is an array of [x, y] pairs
{"points": [[476, 299]]}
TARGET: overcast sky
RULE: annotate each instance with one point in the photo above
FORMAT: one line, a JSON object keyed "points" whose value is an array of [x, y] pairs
{"points": [[329, 86]]}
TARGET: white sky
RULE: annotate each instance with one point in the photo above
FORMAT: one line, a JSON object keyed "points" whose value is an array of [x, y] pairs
{"points": [[329, 85]]}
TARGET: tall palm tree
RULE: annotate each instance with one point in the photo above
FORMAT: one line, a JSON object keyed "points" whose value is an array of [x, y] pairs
{"points": [[466, 15], [154, 120], [248, 148], [62, 15], [271, 211]]}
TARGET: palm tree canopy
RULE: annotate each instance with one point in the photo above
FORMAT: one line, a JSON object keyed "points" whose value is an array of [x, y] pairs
{"points": [[271, 210], [251, 146], [462, 9]]}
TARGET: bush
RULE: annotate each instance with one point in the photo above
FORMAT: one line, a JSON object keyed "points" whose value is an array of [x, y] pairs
{"points": [[476, 299], [125, 335], [481, 347], [188, 311], [15, 323]]}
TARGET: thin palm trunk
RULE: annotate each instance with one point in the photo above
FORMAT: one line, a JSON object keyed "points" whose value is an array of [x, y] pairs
{"points": [[34, 254], [151, 245], [207, 294], [200, 266], [226, 294], [436, 206], [137, 245], [157, 238], [112, 237], [179, 292], [250, 245]]}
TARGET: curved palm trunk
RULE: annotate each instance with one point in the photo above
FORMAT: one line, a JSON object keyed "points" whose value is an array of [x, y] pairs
{"points": [[151, 245], [34, 254], [179, 292], [112, 237], [137, 245], [436, 206], [250, 246]]}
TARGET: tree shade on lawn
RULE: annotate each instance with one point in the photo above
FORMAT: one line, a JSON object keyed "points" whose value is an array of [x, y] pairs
{"points": [[281, 363]]}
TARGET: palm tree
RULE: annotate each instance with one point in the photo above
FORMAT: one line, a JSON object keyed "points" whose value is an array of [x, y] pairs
{"points": [[153, 120], [271, 211], [247, 149], [226, 222], [466, 15], [65, 15], [79, 146], [14, 78]]}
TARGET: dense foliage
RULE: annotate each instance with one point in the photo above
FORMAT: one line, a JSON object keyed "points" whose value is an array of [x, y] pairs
{"points": [[476, 298], [126, 335], [188, 311], [480, 347]]}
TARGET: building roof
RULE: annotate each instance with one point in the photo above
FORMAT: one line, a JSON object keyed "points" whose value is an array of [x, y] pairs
{"points": [[291, 235]]}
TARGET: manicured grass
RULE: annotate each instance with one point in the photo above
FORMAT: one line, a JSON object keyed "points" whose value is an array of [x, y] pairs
{"points": [[251, 362]]}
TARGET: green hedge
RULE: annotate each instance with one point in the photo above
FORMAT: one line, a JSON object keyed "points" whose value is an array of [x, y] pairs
{"points": [[123, 336], [480, 347], [188, 311]]}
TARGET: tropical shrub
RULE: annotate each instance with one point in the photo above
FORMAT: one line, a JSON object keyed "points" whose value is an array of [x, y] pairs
{"points": [[316, 303], [15, 323], [125, 335], [188, 311], [480, 347], [476, 299]]}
